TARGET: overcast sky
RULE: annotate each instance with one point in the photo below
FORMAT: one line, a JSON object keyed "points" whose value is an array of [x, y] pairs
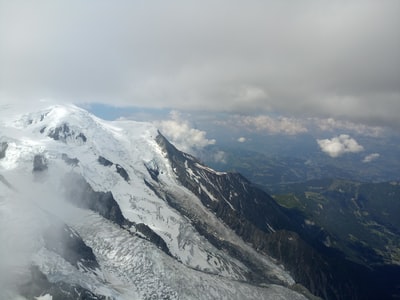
{"points": [[333, 58]]}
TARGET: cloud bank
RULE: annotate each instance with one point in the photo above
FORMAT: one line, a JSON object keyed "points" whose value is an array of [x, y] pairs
{"points": [[309, 58], [339, 145]]}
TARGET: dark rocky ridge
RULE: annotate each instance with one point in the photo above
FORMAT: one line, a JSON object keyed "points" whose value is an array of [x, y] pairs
{"points": [[259, 220]]}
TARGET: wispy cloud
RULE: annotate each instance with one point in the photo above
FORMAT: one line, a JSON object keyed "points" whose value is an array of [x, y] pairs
{"points": [[271, 125], [371, 157], [339, 145]]}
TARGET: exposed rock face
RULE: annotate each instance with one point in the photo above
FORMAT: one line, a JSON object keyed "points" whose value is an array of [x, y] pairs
{"points": [[64, 132]]}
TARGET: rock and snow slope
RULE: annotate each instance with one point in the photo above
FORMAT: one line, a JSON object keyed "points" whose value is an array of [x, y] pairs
{"points": [[129, 225]]}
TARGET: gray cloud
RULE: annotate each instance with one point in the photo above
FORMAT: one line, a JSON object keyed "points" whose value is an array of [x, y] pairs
{"points": [[309, 58], [339, 145]]}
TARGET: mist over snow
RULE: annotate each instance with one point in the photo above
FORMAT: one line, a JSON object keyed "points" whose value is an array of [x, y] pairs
{"points": [[34, 205], [339, 145]]}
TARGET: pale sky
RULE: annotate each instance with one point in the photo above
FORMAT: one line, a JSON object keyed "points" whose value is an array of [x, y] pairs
{"points": [[338, 59]]}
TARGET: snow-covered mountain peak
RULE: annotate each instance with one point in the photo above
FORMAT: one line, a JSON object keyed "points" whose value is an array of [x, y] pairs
{"points": [[47, 129], [138, 203], [53, 117]]}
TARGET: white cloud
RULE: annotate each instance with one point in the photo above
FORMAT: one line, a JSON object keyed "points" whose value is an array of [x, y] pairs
{"points": [[280, 125], [242, 139], [339, 145], [182, 135], [371, 157]]}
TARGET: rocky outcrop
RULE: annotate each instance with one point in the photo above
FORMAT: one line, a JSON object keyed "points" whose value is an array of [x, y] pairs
{"points": [[104, 161], [69, 161], [120, 170], [152, 237], [64, 132]]}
